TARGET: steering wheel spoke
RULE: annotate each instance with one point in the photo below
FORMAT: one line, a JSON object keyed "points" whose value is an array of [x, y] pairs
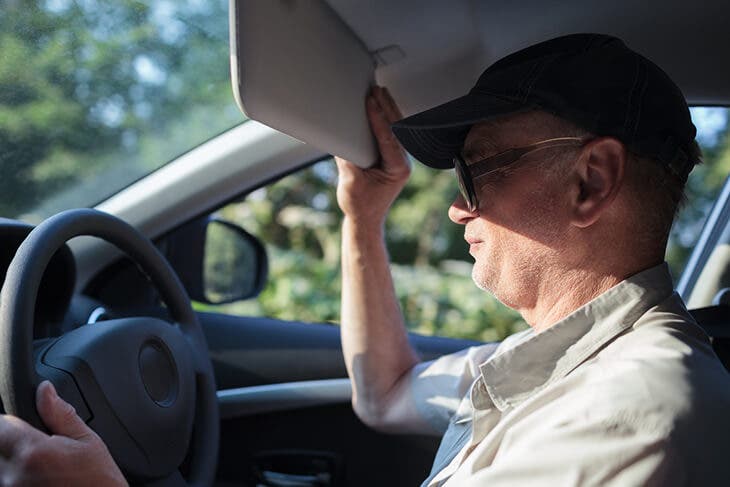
{"points": [[63, 382], [198, 351]]}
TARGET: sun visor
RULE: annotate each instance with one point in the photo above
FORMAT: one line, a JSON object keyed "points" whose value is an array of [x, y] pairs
{"points": [[298, 68]]}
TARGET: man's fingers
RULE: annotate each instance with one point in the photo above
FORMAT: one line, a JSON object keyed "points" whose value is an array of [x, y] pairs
{"points": [[382, 111], [59, 416], [345, 170], [390, 107], [344, 164], [10, 434], [8, 472], [390, 148]]}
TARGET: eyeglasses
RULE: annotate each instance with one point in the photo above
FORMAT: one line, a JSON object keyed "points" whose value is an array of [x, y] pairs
{"points": [[466, 174]]}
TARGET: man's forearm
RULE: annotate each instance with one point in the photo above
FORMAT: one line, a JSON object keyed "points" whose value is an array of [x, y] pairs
{"points": [[374, 339]]}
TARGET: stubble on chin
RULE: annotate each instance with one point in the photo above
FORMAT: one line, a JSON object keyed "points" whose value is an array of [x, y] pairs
{"points": [[508, 285], [479, 277], [476, 278]]}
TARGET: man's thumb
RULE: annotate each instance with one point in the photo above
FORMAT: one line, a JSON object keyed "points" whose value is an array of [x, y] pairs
{"points": [[59, 416]]}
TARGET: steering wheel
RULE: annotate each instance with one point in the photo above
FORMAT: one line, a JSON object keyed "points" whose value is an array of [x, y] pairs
{"points": [[145, 385]]}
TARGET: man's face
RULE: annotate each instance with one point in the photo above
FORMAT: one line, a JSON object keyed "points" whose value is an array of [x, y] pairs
{"points": [[518, 233]]}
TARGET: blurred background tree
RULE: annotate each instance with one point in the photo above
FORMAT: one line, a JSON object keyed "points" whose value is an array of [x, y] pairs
{"points": [[95, 94]]}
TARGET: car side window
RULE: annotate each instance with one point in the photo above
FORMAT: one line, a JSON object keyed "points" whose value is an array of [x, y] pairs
{"points": [[298, 220]]}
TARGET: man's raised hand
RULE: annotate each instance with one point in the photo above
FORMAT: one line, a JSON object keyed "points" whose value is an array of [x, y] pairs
{"points": [[365, 195]]}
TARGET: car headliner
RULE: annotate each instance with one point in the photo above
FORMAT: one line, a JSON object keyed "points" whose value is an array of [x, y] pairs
{"points": [[446, 45]]}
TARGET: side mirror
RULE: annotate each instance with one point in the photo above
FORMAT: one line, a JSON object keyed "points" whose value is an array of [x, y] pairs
{"points": [[217, 261]]}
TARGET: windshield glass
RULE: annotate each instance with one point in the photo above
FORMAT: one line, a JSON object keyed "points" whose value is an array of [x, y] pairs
{"points": [[94, 95]]}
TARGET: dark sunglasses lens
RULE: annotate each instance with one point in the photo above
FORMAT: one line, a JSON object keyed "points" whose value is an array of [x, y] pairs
{"points": [[464, 187]]}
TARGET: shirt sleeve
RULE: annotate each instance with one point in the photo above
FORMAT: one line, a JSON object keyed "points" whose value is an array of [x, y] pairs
{"points": [[438, 386], [600, 452]]}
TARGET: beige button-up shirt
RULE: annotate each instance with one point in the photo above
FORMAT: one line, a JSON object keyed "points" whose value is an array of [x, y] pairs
{"points": [[624, 391]]}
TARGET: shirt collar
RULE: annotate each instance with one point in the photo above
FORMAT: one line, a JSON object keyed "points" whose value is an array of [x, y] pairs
{"points": [[540, 359]]}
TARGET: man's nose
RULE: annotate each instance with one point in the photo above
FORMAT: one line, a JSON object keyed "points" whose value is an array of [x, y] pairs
{"points": [[459, 211]]}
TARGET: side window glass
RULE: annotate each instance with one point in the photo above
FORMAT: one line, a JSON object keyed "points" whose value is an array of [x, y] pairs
{"points": [[298, 220]]}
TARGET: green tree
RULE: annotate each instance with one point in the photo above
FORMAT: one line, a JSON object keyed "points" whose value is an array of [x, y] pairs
{"points": [[86, 87]]}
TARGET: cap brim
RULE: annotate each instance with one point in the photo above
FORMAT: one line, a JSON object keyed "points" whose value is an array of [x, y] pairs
{"points": [[435, 136]]}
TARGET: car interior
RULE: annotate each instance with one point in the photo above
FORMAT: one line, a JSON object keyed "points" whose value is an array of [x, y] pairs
{"points": [[116, 301]]}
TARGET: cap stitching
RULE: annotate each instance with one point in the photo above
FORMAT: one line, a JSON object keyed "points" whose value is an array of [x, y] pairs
{"points": [[425, 142], [418, 141], [501, 96], [437, 148], [526, 82], [630, 104], [589, 43], [540, 68], [639, 105]]}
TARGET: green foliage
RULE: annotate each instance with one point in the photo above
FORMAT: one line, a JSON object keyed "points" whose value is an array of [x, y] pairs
{"points": [[93, 95]]}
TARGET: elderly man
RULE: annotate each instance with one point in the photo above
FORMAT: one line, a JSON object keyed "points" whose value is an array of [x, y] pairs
{"points": [[571, 157]]}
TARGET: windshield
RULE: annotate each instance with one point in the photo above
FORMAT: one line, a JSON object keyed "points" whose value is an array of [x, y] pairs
{"points": [[95, 95]]}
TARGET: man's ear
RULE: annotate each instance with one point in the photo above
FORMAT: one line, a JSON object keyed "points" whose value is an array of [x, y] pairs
{"points": [[600, 176]]}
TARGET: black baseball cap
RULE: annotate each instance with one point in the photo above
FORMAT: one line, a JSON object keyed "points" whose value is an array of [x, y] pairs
{"points": [[592, 80]]}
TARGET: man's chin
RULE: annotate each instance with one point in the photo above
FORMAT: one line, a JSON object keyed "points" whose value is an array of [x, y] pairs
{"points": [[481, 280]]}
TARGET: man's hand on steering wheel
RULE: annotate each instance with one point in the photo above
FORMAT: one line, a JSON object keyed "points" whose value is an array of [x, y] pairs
{"points": [[72, 455]]}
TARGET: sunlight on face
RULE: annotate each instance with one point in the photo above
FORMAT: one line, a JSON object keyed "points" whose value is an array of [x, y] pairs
{"points": [[519, 231]]}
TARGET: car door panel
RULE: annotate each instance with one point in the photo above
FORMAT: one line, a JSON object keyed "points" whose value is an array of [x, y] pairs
{"points": [[286, 413], [362, 456]]}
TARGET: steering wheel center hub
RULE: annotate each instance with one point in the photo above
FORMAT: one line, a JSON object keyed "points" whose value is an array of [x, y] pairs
{"points": [[159, 373]]}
